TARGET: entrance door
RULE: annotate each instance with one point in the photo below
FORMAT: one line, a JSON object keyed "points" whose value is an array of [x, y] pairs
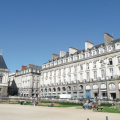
{"points": [[88, 94], [113, 95], [96, 94]]}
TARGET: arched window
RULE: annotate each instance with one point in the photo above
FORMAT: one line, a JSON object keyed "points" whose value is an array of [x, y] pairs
{"points": [[112, 87], [87, 87], [95, 87], [103, 86]]}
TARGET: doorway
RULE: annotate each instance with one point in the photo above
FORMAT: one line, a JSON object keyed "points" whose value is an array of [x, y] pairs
{"points": [[113, 95]]}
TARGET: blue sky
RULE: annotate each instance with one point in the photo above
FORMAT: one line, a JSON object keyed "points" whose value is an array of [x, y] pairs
{"points": [[31, 30]]}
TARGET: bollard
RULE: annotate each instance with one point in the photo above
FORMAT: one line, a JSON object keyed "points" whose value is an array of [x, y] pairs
{"points": [[88, 119], [106, 117]]}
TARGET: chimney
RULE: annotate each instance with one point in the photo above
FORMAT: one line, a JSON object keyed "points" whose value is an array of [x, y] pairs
{"points": [[88, 45], [72, 50], [16, 71], [107, 38], [23, 67], [30, 65], [62, 53], [54, 56]]}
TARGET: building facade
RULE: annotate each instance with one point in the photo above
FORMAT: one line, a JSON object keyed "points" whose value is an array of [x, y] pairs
{"points": [[25, 82], [4, 72], [92, 72]]}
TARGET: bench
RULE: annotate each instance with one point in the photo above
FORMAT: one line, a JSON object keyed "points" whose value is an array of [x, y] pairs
{"points": [[97, 109]]}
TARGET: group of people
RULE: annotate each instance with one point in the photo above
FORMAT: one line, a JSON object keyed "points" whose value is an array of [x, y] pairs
{"points": [[88, 105]]}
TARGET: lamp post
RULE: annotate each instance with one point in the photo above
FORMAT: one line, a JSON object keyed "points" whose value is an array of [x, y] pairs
{"points": [[105, 77]]}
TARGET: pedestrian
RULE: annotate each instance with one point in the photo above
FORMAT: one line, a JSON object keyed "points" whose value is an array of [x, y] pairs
{"points": [[36, 103], [85, 106], [25, 102]]}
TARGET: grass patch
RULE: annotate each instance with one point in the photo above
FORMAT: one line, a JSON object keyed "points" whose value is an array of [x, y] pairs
{"points": [[109, 110]]}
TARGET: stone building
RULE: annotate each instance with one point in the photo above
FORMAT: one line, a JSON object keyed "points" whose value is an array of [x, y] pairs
{"points": [[4, 72], [92, 72], [25, 82]]}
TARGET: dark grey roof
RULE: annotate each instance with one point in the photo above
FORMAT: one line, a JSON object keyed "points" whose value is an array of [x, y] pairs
{"points": [[2, 63]]}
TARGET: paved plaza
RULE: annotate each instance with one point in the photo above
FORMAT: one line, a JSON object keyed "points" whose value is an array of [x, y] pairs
{"points": [[22, 112]]}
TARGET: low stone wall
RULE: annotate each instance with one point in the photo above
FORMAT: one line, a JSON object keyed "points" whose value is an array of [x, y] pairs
{"points": [[17, 98]]}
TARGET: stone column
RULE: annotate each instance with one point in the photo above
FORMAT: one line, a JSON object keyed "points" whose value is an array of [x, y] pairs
{"points": [[84, 90], [78, 94]]}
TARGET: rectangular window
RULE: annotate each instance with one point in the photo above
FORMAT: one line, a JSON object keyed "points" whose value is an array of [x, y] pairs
{"points": [[69, 78], [110, 61], [50, 81], [87, 66], [81, 76], [0, 79], [37, 84], [119, 71], [81, 67], [95, 75], [33, 84], [59, 80], [54, 81], [103, 74], [102, 63], [64, 79], [94, 65], [75, 77], [54, 72], [33, 77], [70, 69], [64, 71], [118, 59], [111, 72], [88, 76], [59, 72], [37, 77], [51, 73], [75, 68]]}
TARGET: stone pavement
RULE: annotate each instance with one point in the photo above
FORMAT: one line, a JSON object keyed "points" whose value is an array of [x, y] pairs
{"points": [[22, 112]]}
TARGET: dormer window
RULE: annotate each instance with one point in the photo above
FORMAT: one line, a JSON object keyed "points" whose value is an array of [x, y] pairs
{"points": [[86, 54], [93, 53], [110, 61], [101, 51], [109, 48], [118, 46]]}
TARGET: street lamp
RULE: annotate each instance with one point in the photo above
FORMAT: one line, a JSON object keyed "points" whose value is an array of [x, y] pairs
{"points": [[105, 76]]}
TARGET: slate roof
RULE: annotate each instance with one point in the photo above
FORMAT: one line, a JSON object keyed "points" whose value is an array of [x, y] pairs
{"points": [[2, 63]]}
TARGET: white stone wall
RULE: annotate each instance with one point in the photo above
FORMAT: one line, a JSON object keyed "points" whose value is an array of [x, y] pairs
{"points": [[45, 78]]}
